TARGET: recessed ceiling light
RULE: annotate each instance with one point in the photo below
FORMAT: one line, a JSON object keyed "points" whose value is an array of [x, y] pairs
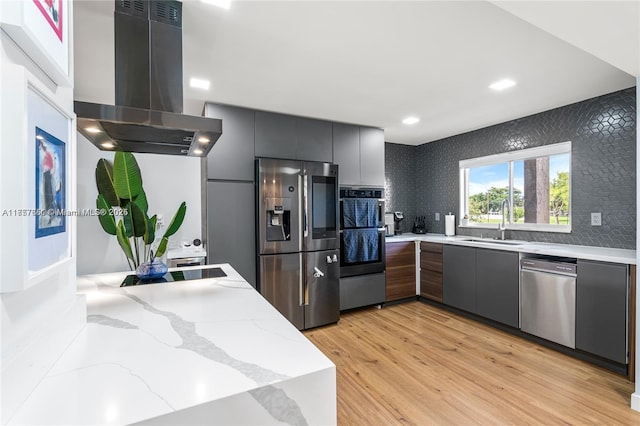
{"points": [[197, 151], [502, 84], [107, 145], [198, 83], [225, 4], [411, 120], [92, 129], [203, 139]]}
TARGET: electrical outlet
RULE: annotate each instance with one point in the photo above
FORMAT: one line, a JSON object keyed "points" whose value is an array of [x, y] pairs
{"points": [[596, 219], [437, 217]]}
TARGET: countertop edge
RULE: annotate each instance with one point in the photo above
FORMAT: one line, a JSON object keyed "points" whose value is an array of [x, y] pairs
{"points": [[170, 329], [603, 254]]}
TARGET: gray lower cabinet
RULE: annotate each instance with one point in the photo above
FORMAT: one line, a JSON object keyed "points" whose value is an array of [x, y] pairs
{"points": [[362, 290], [232, 155], [497, 289], [601, 309], [482, 281], [291, 137], [231, 226], [459, 277]]}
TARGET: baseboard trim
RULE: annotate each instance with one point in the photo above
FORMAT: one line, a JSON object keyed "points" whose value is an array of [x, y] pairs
{"points": [[635, 401]]}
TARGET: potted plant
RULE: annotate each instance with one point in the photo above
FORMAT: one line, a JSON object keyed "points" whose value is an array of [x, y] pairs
{"points": [[120, 191]]}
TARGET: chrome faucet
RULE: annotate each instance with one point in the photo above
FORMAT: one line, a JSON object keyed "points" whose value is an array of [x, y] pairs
{"points": [[502, 225]]}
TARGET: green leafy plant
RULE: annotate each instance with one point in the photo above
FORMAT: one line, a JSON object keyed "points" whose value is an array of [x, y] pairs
{"points": [[120, 191]]}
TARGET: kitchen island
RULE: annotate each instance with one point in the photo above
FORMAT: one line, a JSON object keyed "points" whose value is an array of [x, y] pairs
{"points": [[206, 351]]}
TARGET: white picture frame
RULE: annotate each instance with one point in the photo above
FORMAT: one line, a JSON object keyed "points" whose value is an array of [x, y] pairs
{"points": [[29, 105], [42, 29]]}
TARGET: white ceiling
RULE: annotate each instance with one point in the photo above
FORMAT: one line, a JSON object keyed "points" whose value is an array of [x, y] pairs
{"points": [[609, 30], [375, 63]]}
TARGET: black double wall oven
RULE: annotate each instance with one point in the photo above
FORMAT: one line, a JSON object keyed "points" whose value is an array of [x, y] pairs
{"points": [[362, 231]]}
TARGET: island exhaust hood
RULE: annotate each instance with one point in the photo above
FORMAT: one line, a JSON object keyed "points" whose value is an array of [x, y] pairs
{"points": [[147, 116]]}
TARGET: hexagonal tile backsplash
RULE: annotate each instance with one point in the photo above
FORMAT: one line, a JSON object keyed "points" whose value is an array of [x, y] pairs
{"points": [[422, 180]]}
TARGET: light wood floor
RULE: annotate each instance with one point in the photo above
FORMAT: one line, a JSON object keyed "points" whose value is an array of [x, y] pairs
{"points": [[417, 364]]}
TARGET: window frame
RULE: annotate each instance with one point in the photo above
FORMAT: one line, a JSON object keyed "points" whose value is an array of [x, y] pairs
{"points": [[509, 158]]}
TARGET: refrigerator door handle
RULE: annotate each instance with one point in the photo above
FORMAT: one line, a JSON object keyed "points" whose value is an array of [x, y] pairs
{"points": [[306, 290], [305, 201], [301, 289]]}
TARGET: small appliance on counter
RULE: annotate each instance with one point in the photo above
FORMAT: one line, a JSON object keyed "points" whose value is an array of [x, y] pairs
{"points": [[389, 224], [188, 254], [397, 218], [419, 225]]}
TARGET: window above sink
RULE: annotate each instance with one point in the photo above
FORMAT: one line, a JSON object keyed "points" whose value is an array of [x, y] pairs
{"points": [[535, 182]]}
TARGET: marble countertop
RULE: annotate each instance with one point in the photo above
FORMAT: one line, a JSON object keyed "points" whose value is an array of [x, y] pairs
{"points": [[155, 352], [604, 254]]}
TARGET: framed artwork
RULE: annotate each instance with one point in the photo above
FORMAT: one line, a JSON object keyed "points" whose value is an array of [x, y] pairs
{"points": [[53, 12], [50, 184], [37, 180], [41, 28], [49, 131]]}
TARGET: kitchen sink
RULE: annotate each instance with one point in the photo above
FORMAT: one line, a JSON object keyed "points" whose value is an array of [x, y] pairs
{"points": [[499, 242]]}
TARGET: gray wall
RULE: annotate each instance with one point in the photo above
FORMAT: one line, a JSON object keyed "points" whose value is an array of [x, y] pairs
{"points": [[603, 135], [400, 182]]}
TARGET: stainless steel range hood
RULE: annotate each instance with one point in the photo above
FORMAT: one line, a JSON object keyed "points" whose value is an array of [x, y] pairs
{"points": [[148, 115]]}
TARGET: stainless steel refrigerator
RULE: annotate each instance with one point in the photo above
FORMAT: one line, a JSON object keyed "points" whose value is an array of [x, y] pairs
{"points": [[298, 239]]}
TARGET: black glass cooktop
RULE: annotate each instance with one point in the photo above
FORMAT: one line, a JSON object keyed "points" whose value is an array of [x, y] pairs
{"points": [[174, 276]]}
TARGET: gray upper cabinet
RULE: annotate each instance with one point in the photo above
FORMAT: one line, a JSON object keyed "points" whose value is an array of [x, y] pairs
{"points": [[314, 140], [346, 153], [296, 138], [601, 309], [232, 156], [497, 278], [359, 152], [275, 135], [371, 156]]}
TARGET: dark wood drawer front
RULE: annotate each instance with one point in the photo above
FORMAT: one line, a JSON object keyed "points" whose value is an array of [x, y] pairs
{"points": [[400, 270], [400, 253], [431, 261], [431, 271], [432, 247], [431, 285]]}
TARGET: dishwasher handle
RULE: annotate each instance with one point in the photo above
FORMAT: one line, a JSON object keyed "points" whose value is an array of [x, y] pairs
{"points": [[558, 268]]}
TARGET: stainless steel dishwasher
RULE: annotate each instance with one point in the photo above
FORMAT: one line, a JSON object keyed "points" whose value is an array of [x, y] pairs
{"points": [[548, 299]]}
